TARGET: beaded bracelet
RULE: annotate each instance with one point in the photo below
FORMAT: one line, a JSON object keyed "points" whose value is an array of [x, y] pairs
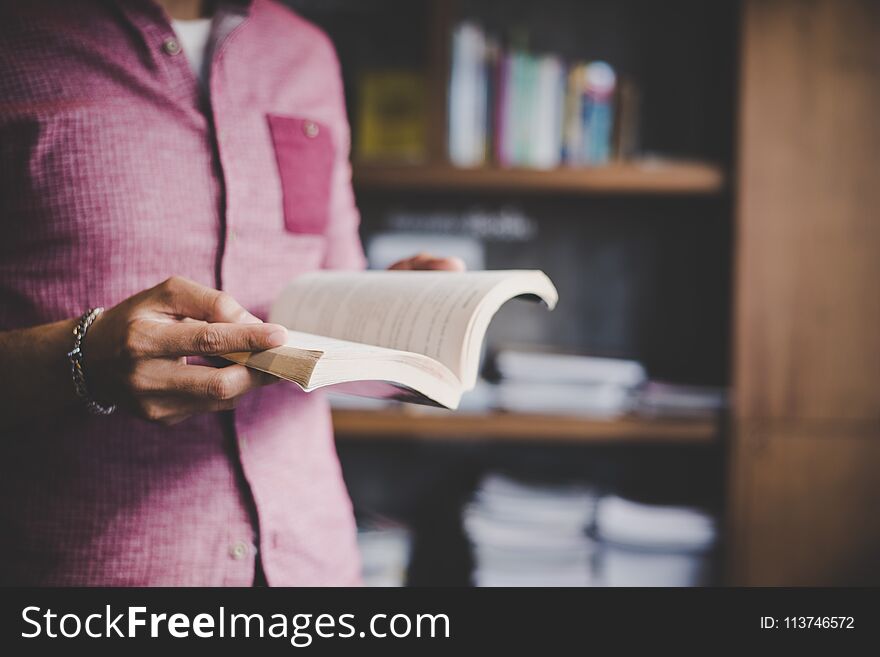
{"points": [[75, 356]]}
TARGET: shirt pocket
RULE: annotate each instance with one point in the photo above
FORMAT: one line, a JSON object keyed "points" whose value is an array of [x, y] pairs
{"points": [[305, 154]]}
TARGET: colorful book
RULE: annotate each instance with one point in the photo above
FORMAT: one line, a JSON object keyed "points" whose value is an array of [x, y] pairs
{"points": [[391, 125], [528, 110], [468, 111]]}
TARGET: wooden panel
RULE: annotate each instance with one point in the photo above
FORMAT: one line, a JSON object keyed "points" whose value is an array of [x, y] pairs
{"points": [[621, 178], [805, 491], [808, 267], [518, 427], [807, 500]]}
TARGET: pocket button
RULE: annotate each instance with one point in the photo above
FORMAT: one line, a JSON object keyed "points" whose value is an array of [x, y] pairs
{"points": [[311, 130], [238, 551]]}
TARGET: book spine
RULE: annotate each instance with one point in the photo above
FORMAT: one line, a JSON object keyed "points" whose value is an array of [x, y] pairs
{"points": [[546, 149], [502, 111], [627, 120], [481, 98], [492, 68], [454, 97], [559, 110], [598, 113], [573, 128], [528, 103], [467, 97], [517, 109]]}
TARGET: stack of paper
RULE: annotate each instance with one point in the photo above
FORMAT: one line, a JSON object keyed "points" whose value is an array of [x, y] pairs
{"points": [[385, 554], [530, 535], [649, 545], [671, 400], [539, 382]]}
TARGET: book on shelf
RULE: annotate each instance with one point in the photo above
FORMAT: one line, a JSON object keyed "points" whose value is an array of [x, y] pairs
{"points": [[594, 401], [413, 336], [468, 96], [590, 114], [641, 544], [627, 122], [555, 367], [391, 117], [385, 548], [660, 399], [523, 109], [530, 534], [543, 381], [535, 533]]}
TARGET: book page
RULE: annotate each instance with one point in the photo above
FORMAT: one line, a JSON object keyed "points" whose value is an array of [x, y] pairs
{"points": [[423, 312], [315, 361]]}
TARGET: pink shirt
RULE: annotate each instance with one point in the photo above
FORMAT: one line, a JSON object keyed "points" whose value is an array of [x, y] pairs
{"points": [[114, 175]]}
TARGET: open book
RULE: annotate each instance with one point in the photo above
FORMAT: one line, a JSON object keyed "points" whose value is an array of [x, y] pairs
{"points": [[409, 335]]}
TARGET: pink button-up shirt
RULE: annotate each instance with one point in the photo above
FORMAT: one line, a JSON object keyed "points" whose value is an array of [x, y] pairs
{"points": [[115, 172]]}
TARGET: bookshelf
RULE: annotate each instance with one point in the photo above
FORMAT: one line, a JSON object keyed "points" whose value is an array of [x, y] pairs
{"points": [[714, 282], [658, 178], [518, 427], [640, 249]]}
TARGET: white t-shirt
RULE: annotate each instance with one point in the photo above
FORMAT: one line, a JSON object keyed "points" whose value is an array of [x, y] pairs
{"points": [[193, 36]]}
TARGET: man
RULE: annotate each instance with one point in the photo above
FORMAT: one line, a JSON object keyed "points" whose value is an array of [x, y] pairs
{"points": [[129, 158]]}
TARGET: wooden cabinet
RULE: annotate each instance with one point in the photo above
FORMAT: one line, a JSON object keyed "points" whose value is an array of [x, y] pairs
{"points": [[805, 472], [806, 506]]}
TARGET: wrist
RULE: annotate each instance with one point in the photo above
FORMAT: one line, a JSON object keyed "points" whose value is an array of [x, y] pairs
{"points": [[83, 385], [99, 361]]}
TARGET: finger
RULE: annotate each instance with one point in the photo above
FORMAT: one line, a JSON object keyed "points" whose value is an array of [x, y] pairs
{"points": [[210, 339], [185, 298], [442, 264], [207, 361], [428, 262], [173, 409], [402, 265], [195, 386], [174, 377]]}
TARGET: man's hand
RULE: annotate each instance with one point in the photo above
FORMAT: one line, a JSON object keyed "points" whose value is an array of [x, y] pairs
{"points": [[425, 261], [135, 353]]}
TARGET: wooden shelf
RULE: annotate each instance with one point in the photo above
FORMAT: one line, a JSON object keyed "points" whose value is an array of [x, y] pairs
{"points": [[518, 427], [648, 177]]}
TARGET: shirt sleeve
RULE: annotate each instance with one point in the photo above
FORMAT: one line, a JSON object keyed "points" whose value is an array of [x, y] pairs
{"points": [[344, 249]]}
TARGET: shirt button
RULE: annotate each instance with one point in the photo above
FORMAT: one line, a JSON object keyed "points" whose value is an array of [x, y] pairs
{"points": [[238, 551], [171, 46], [311, 129]]}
